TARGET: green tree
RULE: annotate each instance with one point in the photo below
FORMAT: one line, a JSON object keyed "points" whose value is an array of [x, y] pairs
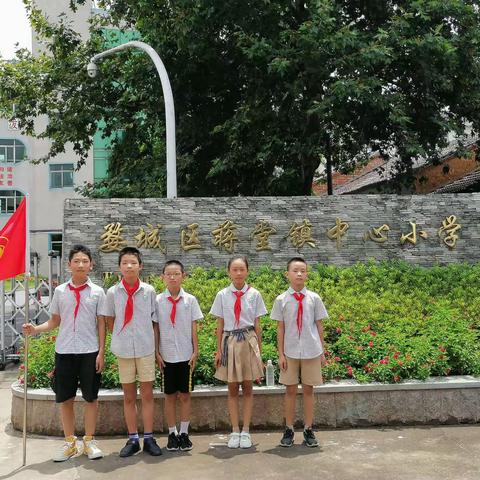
{"points": [[265, 91]]}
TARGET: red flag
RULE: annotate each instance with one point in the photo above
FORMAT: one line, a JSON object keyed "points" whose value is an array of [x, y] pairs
{"points": [[13, 242]]}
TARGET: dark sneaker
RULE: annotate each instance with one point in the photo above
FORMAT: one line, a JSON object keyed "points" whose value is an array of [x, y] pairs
{"points": [[309, 438], [287, 439], [172, 443], [131, 448], [150, 446], [184, 442]]}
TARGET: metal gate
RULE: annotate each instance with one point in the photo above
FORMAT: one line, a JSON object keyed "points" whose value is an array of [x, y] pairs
{"points": [[12, 305]]}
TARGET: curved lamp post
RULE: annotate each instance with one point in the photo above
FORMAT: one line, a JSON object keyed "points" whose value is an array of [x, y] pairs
{"points": [[92, 70]]}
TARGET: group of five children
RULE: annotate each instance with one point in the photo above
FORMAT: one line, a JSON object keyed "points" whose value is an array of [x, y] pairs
{"points": [[149, 329]]}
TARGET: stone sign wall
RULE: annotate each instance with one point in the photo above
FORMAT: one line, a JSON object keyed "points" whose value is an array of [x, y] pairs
{"points": [[342, 230]]}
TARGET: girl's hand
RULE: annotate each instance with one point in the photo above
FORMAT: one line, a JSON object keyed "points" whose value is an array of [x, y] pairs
{"points": [[218, 359]]}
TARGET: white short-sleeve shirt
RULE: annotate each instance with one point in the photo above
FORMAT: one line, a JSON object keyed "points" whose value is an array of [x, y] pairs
{"points": [[285, 308], [251, 302], [176, 341], [77, 335], [137, 338]]}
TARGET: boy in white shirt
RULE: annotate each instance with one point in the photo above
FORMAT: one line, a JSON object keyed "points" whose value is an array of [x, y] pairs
{"points": [[177, 351], [79, 350], [299, 313], [130, 315]]}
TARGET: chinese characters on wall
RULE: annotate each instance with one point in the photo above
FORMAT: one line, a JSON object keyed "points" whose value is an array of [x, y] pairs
{"points": [[224, 237]]}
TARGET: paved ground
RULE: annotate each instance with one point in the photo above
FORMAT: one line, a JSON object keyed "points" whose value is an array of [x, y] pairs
{"points": [[445, 453]]}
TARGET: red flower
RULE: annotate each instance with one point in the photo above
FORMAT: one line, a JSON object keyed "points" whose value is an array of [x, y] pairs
{"points": [[400, 363], [396, 378], [384, 361], [349, 370], [337, 359], [442, 348], [396, 354], [370, 344], [373, 334], [366, 329], [339, 330], [22, 367]]}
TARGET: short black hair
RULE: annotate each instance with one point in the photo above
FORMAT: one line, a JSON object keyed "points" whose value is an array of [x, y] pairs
{"points": [[173, 262], [130, 251], [238, 257], [296, 259], [78, 248]]}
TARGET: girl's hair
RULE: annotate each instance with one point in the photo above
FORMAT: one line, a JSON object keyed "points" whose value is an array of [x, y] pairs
{"points": [[238, 257]]}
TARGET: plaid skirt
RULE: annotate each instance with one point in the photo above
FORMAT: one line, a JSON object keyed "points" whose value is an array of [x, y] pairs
{"points": [[243, 358]]}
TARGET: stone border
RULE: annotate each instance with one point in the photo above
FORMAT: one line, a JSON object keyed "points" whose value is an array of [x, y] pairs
{"points": [[346, 403]]}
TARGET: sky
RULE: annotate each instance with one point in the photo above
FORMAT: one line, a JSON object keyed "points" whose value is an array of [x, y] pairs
{"points": [[14, 28]]}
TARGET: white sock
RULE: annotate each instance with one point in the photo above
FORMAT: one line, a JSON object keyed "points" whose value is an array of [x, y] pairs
{"points": [[172, 430], [184, 427], [235, 430], [245, 430]]}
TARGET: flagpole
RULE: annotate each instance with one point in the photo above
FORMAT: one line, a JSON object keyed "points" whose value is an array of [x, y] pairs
{"points": [[27, 319]]}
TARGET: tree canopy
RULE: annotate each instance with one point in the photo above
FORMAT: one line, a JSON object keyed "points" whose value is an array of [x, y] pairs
{"points": [[265, 90]]}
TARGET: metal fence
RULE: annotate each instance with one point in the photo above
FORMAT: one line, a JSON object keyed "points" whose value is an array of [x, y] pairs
{"points": [[12, 305]]}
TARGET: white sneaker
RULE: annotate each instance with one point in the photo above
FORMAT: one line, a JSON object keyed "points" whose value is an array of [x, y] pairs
{"points": [[234, 440], [90, 448], [245, 440], [68, 449]]}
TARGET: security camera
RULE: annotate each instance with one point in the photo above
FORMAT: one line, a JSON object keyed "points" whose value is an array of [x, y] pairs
{"points": [[92, 69]]}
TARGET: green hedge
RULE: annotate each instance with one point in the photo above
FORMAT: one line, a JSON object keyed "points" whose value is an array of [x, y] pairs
{"points": [[388, 321]]}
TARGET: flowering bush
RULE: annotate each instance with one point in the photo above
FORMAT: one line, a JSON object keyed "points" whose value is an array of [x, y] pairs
{"points": [[388, 321]]}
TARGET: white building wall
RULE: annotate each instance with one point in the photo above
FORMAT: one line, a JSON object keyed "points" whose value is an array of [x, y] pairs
{"points": [[46, 203]]}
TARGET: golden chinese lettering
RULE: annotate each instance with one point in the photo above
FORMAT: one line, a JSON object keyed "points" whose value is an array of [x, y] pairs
{"points": [[301, 234], [338, 231], [150, 238], [261, 233], [112, 238], [189, 237], [412, 236], [448, 231], [377, 235], [224, 236]]}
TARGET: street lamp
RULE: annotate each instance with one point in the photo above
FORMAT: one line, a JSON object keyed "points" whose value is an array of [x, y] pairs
{"points": [[92, 70]]}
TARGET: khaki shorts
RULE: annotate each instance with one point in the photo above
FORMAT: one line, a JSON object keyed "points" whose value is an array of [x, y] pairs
{"points": [[307, 371], [131, 368]]}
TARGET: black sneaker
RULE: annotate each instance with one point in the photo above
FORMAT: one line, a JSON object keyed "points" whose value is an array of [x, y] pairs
{"points": [[172, 443], [309, 438], [131, 448], [150, 446], [287, 439], [184, 442]]}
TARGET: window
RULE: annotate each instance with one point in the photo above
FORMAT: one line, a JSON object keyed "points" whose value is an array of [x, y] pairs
{"points": [[61, 175], [55, 242], [9, 201], [11, 150]]}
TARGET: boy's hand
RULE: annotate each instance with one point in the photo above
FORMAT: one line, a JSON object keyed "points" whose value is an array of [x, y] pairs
{"points": [[282, 362], [193, 361], [28, 329], [323, 359], [160, 361], [99, 363], [218, 359]]}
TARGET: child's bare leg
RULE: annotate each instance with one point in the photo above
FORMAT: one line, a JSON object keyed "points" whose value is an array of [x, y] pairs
{"points": [[290, 398], [232, 402], [130, 406], [185, 407], [90, 416], [307, 404], [68, 417], [146, 393], [170, 409], [247, 392]]}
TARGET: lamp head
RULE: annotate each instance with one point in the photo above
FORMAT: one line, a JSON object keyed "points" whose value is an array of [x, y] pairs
{"points": [[92, 69]]}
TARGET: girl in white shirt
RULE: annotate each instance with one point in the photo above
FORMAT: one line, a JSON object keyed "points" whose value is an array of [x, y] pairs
{"points": [[238, 360]]}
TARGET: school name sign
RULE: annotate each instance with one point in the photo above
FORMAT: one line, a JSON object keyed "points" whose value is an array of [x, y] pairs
{"points": [[269, 230]]}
